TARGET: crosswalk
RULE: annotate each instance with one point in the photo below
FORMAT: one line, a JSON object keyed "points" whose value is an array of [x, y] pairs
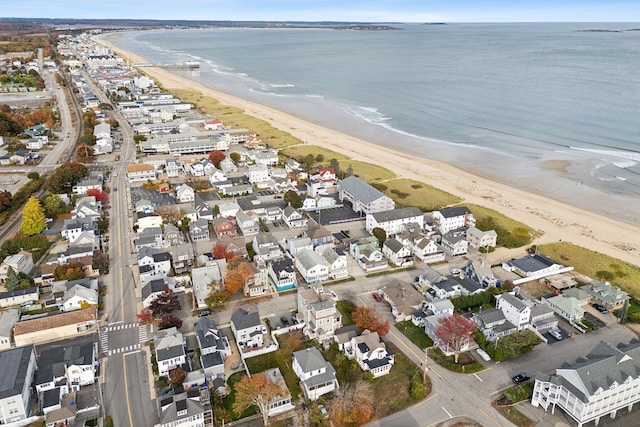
{"points": [[132, 348]]}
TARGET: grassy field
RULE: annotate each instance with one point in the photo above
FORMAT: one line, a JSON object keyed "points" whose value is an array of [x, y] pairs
{"points": [[235, 117], [345, 308], [279, 360], [407, 192], [415, 334], [367, 172], [515, 416], [588, 262], [299, 151], [511, 233]]}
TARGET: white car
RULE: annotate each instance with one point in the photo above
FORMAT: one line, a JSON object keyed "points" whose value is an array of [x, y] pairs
{"points": [[455, 271], [557, 335], [323, 411], [483, 354]]}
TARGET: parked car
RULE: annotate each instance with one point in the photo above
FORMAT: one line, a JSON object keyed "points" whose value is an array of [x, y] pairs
{"points": [[284, 321], [455, 271], [557, 335], [483, 354], [377, 297], [334, 296], [323, 411], [520, 378], [601, 308], [204, 313]]}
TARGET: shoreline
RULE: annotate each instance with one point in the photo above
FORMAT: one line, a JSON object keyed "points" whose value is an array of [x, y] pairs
{"points": [[558, 220]]}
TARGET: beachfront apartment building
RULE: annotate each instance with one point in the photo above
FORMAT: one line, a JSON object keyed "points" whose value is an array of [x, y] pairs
{"points": [[394, 221], [363, 197], [453, 218], [601, 383], [141, 172], [481, 239]]}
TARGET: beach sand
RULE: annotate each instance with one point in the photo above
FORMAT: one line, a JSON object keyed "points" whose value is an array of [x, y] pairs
{"points": [[557, 220]]}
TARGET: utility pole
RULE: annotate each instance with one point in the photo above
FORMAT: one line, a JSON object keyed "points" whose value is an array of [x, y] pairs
{"points": [[426, 366]]}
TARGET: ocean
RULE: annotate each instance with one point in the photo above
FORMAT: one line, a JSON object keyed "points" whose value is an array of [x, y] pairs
{"points": [[549, 108]]}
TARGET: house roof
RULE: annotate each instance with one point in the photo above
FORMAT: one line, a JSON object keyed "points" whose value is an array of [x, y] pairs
{"points": [[53, 357], [310, 258], [490, 316], [153, 287], [8, 319], [578, 293], [310, 359], [245, 318], [15, 364], [454, 211], [514, 301], [404, 296], [168, 344], [209, 336], [282, 265], [397, 214], [394, 245], [360, 189], [431, 275], [178, 403], [54, 321], [210, 360], [567, 304], [532, 263], [139, 167]]}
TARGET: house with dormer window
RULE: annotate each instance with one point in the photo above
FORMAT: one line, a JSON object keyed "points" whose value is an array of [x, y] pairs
{"points": [[169, 348], [317, 376], [371, 353], [293, 218]]}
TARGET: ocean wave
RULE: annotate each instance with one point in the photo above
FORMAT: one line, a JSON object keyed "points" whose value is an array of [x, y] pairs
{"points": [[625, 164], [629, 155], [281, 85], [314, 96]]}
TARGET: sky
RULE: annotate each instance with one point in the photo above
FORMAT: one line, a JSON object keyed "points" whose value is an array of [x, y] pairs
{"points": [[333, 10]]}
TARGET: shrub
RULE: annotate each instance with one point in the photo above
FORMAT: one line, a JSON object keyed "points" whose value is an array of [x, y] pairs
{"points": [[519, 393], [417, 390]]}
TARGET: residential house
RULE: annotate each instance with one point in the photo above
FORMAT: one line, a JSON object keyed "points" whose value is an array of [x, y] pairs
{"points": [[160, 261], [87, 184], [258, 174], [258, 283], [454, 243], [169, 348], [266, 248], [72, 228], [481, 239], [607, 295], [317, 376], [19, 296], [268, 157], [403, 299], [602, 383], [282, 274], [479, 270], [235, 247], [319, 235], [568, 308], [229, 209], [371, 353], [514, 310], [394, 221], [207, 279], [144, 220], [248, 224], [224, 227], [581, 295], [296, 244], [534, 266], [293, 218], [141, 172], [456, 218], [191, 408], [426, 278], [319, 314], [363, 197], [202, 167], [75, 252], [8, 318], [22, 262], [426, 250], [436, 307], [79, 297], [20, 157], [199, 230], [66, 366], [214, 347], [494, 324], [282, 401], [431, 325], [19, 366], [87, 207], [144, 205], [396, 253], [171, 235], [182, 257], [150, 237], [153, 288], [58, 325], [337, 261], [367, 253], [312, 266], [185, 193], [173, 168], [203, 210], [247, 328], [543, 317]]}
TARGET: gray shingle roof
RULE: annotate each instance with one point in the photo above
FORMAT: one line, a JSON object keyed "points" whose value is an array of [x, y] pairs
{"points": [[360, 189], [15, 363], [454, 212], [396, 214], [244, 318], [310, 359]]}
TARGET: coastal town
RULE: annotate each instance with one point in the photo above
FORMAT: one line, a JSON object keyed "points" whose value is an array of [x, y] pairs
{"points": [[170, 268]]}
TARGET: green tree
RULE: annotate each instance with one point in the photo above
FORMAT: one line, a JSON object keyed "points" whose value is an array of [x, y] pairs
{"points": [[319, 158], [335, 164], [13, 282], [308, 160], [33, 218], [33, 175], [349, 171], [293, 198], [380, 234], [54, 205], [235, 157]]}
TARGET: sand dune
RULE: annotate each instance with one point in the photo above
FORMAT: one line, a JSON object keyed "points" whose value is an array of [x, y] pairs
{"points": [[558, 221]]}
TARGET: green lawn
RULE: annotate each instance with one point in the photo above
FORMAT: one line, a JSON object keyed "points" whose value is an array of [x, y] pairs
{"points": [[415, 334], [590, 263], [231, 398], [277, 359], [466, 363], [345, 308], [511, 233], [407, 192]]}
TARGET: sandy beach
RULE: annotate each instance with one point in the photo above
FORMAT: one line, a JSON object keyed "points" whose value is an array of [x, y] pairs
{"points": [[557, 220]]}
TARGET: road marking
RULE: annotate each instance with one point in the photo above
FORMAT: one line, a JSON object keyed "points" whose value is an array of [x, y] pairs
{"points": [[479, 379], [443, 408], [490, 417], [115, 323], [132, 352], [126, 389]]}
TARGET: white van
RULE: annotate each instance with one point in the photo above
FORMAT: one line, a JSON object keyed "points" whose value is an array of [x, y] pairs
{"points": [[483, 354]]}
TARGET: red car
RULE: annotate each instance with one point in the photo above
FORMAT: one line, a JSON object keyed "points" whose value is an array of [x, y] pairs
{"points": [[377, 297]]}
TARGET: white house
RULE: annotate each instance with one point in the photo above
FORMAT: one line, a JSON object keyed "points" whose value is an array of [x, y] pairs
{"points": [[169, 348], [293, 218], [337, 262], [363, 197], [247, 328], [455, 218], [18, 369], [393, 221], [601, 383], [258, 173], [368, 255], [185, 194], [79, 297], [371, 353], [426, 250], [566, 307], [317, 376], [396, 253], [514, 310], [455, 243], [312, 266], [137, 172], [481, 239], [22, 262]]}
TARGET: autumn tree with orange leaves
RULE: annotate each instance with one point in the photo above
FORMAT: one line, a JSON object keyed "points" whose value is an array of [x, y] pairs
{"points": [[366, 318], [220, 251], [257, 391], [100, 195], [353, 404], [238, 272]]}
